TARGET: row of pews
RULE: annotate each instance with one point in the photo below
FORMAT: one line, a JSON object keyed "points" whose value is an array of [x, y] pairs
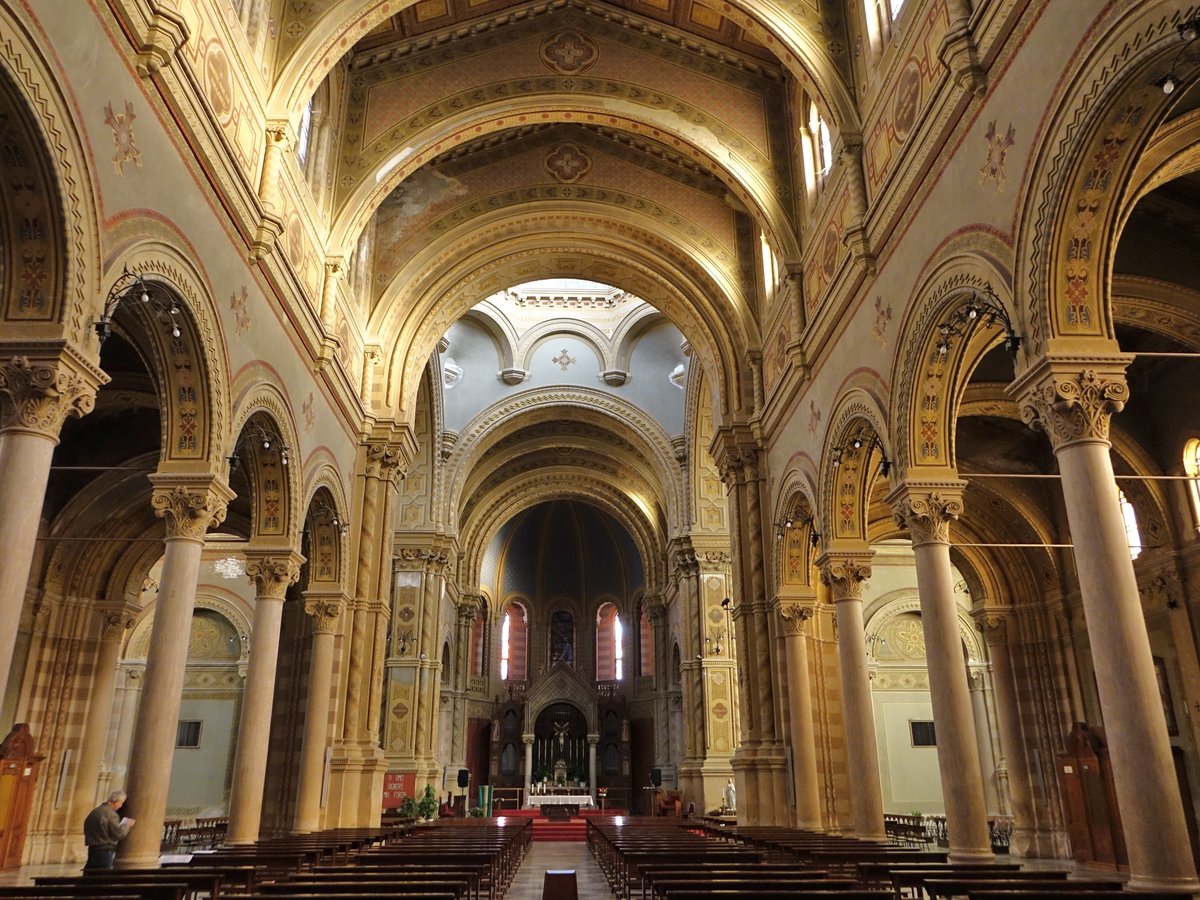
{"points": [[456, 859], [657, 858]]}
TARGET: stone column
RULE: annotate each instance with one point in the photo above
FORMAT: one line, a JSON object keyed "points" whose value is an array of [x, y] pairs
{"points": [[1072, 400], [593, 740], [39, 387], [981, 712], [325, 609], [926, 510], [278, 141], [995, 623], [793, 620], [334, 266], [113, 625], [845, 573], [190, 505], [272, 572], [528, 739]]}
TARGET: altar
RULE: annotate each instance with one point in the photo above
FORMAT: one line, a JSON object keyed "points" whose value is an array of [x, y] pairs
{"points": [[584, 800]]}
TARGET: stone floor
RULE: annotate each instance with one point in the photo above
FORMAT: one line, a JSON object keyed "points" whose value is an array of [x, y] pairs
{"points": [[527, 885]]}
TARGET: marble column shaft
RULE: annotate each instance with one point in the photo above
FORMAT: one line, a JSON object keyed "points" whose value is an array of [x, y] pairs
{"points": [[1073, 403], [845, 576], [927, 511], [38, 392], [804, 739], [995, 625], [272, 572], [325, 609], [189, 509], [113, 626], [528, 739], [592, 741]]}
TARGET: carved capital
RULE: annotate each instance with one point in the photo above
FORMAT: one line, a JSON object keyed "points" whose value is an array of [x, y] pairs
{"points": [[189, 508], [992, 624], [655, 609], [273, 572], [114, 624], [38, 393], [383, 460], [793, 617], [927, 510], [420, 559], [736, 452], [468, 612], [1073, 403], [845, 575], [279, 136], [685, 565], [325, 610]]}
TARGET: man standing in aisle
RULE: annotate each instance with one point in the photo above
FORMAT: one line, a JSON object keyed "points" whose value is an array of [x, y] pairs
{"points": [[103, 829]]}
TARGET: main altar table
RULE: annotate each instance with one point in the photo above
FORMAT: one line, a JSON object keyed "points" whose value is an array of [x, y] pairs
{"points": [[536, 800]]}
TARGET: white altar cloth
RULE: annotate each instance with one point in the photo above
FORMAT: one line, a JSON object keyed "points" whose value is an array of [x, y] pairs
{"points": [[536, 800]]}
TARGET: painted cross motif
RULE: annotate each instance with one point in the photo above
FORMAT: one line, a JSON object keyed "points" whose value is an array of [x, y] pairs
{"points": [[997, 151], [123, 139], [241, 315], [569, 53], [310, 415], [563, 360], [883, 317]]}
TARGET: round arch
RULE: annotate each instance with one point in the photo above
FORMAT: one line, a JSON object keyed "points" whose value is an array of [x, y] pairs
{"points": [[276, 501], [846, 478]]}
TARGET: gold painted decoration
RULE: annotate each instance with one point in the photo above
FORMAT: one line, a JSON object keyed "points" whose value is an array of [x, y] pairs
{"points": [[124, 141], [569, 53], [568, 163]]}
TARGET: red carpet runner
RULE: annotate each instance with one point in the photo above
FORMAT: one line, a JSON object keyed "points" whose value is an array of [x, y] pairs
{"points": [[573, 830]]}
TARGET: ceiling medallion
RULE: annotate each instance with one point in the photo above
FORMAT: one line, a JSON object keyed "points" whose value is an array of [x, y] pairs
{"points": [[568, 163], [569, 53]]}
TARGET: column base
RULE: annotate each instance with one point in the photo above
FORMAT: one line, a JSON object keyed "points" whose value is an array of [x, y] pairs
{"points": [[355, 786], [1139, 883], [703, 783], [972, 856]]}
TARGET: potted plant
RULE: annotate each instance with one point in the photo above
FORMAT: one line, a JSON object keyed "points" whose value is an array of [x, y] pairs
{"points": [[427, 806], [408, 809]]}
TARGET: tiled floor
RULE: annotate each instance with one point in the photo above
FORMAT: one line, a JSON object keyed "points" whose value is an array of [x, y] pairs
{"points": [[527, 885]]}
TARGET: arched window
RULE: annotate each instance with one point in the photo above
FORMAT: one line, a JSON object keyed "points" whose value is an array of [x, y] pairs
{"points": [[822, 144], [1132, 535], [1191, 465], [304, 134], [610, 654], [513, 643]]}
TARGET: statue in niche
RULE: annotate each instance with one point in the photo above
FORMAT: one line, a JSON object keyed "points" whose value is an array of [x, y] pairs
{"points": [[730, 796], [562, 634]]}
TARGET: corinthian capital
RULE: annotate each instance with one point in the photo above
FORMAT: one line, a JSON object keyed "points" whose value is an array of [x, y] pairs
{"points": [[384, 460], [992, 624], [927, 509], [273, 571], [793, 617], [845, 575], [42, 386], [325, 610], [190, 505], [113, 624], [1073, 401]]}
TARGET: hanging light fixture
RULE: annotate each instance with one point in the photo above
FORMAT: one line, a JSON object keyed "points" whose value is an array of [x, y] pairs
{"points": [[131, 289], [980, 306], [262, 437]]}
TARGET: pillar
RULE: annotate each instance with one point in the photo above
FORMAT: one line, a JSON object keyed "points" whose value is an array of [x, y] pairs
{"points": [[592, 740], [994, 801], [190, 505], [926, 510], [793, 619], [278, 141], [1073, 400], [325, 610], [272, 573], [38, 390], [528, 739], [845, 574], [113, 625], [334, 266], [995, 623]]}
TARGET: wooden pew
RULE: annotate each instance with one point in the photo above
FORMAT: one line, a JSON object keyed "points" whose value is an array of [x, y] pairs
{"points": [[956, 887]]}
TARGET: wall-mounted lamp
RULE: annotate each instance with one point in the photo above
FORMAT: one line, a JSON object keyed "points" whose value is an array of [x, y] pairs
{"points": [[726, 604], [980, 306], [131, 289], [404, 641], [263, 437], [869, 440], [1188, 32], [713, 643]]}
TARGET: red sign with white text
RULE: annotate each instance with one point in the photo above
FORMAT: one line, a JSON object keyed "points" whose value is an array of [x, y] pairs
{"points": [[397, 787]]}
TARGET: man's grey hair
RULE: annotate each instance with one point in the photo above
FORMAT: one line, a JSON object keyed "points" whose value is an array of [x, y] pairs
{"points": [[116, 796]]}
